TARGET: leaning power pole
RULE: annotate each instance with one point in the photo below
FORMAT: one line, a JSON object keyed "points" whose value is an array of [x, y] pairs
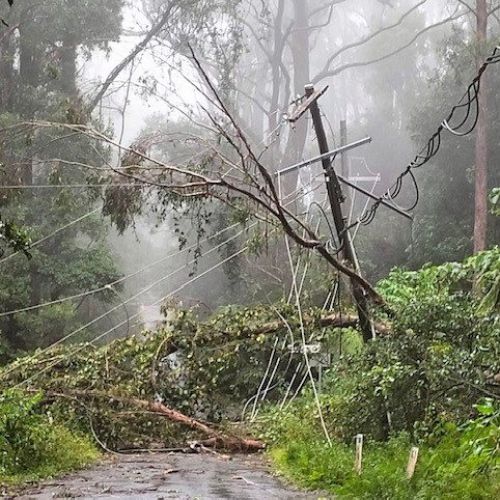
{"points": [[336, 199]]}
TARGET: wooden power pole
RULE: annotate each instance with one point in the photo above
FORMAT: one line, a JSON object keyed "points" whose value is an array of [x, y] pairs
{"points": [[343, 157], [336, 198]]}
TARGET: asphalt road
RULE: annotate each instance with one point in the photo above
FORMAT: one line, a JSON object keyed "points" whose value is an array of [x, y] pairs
{"points": [[169, 476]]}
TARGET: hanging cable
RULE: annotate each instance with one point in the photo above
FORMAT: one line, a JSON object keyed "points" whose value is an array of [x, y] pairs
{"points": [[469, 101], [103, 335], [121, 280], [149, 287], [98, 318], [304, 347]]}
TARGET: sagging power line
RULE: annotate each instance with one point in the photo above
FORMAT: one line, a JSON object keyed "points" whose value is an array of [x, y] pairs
{"points": [[470, 103], [147, 288]]}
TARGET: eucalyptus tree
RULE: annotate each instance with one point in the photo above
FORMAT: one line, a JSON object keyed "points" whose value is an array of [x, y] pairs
{"points": [[455, 184], [40, 51]]}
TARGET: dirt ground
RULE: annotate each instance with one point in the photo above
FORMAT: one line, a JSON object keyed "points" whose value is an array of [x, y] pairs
{"points": [[169, 476]]}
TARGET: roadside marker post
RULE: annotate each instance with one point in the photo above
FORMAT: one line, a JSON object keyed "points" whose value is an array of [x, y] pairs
{"points": [[412, 462], [358, 461]]}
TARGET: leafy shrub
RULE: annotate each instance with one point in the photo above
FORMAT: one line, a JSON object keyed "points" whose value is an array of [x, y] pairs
{"points": [[32, 445], [417, 384], [443, 353]]}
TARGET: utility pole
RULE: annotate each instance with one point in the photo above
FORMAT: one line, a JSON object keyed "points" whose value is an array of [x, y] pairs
{"points": [[344, 160], [336, 198]]}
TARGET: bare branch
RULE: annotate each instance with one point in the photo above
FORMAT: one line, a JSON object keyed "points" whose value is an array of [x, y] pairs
{"points": [[494, 10], [155, 29], [371, 36], [467, 6], [390, 54], [327, 5]]}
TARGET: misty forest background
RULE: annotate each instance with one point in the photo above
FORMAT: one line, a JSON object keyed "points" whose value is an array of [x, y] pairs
{"points": [[395, 69], [97, 97]]}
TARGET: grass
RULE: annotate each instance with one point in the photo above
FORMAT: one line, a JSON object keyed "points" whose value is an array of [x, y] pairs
{"points": [[63, 452], [443, 471]]}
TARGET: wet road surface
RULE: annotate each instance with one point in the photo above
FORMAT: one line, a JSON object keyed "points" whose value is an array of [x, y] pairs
{"points": [[171, 476]]}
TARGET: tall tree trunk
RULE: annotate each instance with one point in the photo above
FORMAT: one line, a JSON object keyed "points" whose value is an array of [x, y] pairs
{"points": [[7, 56], [279, 44], [29, 74], [29, 62], [301, 76], [257, 114], [68, 67], [481, 163]]}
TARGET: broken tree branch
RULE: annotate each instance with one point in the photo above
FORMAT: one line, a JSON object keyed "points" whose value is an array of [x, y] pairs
{"points": [[155, 30], [215, 437]]}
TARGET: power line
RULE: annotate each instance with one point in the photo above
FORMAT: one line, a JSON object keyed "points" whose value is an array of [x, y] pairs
{"points": [[118, 281], [45, 238], [184, 285], [72, 186], [469, 102], [75, 332], [142, 291]]}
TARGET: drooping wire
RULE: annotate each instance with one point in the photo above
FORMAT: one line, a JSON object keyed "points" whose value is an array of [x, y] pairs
{"points": [[470, 101], [331, 242]]}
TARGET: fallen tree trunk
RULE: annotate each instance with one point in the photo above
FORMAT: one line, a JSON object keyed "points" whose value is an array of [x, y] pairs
{"points": [[215, 437], [350, 321], [233, 444], [333, 320]]}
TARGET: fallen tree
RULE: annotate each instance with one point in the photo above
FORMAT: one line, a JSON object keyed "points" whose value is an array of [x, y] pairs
{"points": [[326, 320], [215, 438], [145, 389]]}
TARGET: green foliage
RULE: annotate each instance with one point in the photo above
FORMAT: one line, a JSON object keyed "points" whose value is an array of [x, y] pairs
{"points": [[418, 385], [442, 354], [206, 369], [91, 23], [32, 445], [39, 82], [456, 462], [444, 219], [440, 358], [14, 237]]}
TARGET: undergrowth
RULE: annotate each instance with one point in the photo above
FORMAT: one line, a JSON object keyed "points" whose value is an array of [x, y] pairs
{"points": [[417, 386], [455, 462], [33, 446]]}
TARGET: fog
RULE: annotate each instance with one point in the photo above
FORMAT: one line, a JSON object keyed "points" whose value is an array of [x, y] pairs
{"points": [[355, 95], [382, 60]]}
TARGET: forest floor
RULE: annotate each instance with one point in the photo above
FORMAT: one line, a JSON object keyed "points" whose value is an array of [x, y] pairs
{"points": [[170, 476]]}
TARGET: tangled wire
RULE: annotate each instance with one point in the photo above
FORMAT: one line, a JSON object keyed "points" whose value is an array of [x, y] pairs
{"points": [[469, 102]]}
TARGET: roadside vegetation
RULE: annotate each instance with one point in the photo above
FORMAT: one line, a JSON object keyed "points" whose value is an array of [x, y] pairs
{"points": [[454, 461], [33, 445], [431, 382]]}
